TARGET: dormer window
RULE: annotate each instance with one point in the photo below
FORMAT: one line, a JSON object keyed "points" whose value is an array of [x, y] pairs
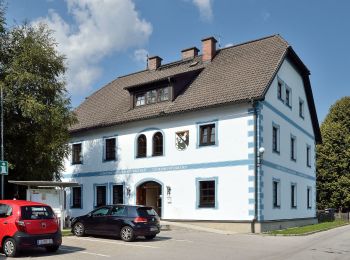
{"points": [[163, 94], [140, 100], [152, 96]]}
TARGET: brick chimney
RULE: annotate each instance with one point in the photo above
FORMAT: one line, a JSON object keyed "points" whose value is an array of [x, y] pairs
{"points": [[154, 62], [189, 53], [209, 48]]}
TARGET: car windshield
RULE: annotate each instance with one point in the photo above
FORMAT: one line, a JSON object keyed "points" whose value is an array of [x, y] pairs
{"points": [[145, 212], [36, 212]]}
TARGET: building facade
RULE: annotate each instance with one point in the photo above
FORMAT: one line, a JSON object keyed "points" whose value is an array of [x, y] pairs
{"points": [[226, 137]]}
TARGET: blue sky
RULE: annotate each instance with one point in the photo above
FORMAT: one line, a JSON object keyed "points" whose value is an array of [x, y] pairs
{"points": [[106, 39]]}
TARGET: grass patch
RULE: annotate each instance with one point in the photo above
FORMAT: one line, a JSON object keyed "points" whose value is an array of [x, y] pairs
{"points": [[66, 232], [308, 229]]}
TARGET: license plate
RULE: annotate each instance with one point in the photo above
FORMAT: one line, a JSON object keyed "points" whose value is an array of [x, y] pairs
{"points": [[45, 241], [153, 229]]}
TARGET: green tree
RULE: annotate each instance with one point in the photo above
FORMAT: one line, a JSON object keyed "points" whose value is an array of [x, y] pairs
{"points": [[333, 158], [37, 110]]}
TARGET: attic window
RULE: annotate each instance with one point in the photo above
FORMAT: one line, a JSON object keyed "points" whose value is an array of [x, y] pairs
{"points": [[152, 96], [163, 94], [140, 99]]}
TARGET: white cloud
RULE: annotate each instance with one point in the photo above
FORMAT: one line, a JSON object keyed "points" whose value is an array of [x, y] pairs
{"points": [[99, 28], [140, 56], [205, 9], [228, 45]]}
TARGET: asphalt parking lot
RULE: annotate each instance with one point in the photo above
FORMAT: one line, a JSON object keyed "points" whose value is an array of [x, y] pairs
{"points": [[193, 244]]}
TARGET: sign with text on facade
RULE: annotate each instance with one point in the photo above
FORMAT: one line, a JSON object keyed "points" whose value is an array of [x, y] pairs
{"points": [[4, 169]]}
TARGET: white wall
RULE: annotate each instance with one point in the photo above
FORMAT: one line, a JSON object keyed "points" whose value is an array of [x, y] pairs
{"points": [[291, 171], [227, 162]]}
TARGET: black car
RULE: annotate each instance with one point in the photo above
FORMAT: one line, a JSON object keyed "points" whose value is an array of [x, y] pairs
{"points": [[124, 221]]}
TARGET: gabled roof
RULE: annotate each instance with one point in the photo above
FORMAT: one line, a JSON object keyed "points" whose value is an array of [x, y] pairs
{"points": [[237, 74]]}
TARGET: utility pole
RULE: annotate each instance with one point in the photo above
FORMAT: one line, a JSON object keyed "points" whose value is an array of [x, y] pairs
{"points": [[2, 139]]}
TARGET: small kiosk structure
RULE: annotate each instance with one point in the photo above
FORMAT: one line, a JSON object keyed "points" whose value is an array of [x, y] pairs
{"points": [[49, 192]]}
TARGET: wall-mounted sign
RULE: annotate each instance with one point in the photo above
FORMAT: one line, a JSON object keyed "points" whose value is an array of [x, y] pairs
{"points": [[4, 169], [182, 140]]}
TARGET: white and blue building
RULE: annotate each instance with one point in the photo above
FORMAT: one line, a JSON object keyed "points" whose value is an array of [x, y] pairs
{"points": [[224, 139]]}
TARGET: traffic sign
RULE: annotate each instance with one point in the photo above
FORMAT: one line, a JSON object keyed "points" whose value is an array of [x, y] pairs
{"points": [[4, 169]]}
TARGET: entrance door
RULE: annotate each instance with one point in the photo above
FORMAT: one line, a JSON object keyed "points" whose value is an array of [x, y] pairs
{"points": [[150, 194]]}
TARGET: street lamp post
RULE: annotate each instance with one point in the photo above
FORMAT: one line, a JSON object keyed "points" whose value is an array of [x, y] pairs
{"points": [[2, 139]]}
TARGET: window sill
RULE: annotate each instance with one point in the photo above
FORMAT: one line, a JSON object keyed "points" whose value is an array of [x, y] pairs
{"points": [[302, 117], [309, 166], [111, 160], [293, 160], [207, 145], [276, 152], [157, 155], [75, 207], [77, 163], [206, 207], [277, 207], [294, 207]]}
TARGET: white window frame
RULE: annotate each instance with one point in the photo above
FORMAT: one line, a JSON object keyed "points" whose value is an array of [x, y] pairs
{"points": [[293, 148], [295, 199], [308, 155], [278, 194], [301, 108], [280, 83], [289, 97], [81, 153], [105, 148], [309, 194], [278, 136]]}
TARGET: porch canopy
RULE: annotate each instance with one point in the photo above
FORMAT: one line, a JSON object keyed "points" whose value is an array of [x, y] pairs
{"points": [[49, 184], [45, 184]]}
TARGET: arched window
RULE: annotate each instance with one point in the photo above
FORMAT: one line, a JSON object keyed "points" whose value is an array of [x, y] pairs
{"points": [[141, 146], [158, 144]]}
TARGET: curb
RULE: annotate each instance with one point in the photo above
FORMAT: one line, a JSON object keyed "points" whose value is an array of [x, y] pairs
{"points": [[172, 225], [304, 234]]}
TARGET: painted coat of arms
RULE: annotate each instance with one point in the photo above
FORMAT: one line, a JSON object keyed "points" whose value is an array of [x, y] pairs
{"points": [[181, 140]]}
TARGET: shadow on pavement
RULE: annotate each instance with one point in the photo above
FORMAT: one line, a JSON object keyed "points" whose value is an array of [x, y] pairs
{"points": [[138, 239]]}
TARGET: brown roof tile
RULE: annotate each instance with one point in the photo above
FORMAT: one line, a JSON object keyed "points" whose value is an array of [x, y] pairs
{"points": [[236, 74]]}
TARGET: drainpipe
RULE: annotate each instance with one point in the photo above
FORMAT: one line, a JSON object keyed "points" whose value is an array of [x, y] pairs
{"points": [[256, 168]]}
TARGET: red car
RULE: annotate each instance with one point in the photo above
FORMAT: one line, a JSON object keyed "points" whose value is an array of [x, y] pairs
{"points": [[27, 224]]}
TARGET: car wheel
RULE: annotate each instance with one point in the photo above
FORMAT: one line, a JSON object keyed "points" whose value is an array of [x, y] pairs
{"points": [[150, 237], [127, 234], [52, 248], [10, 247], [79, 229]]}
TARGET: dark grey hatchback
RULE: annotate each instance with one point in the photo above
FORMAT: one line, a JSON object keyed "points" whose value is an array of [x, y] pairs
{"points": [[124, 221]]}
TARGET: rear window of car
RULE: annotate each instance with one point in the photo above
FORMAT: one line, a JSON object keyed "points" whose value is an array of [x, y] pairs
{"points": [[5, 211], [145, 212], [36, 212]]}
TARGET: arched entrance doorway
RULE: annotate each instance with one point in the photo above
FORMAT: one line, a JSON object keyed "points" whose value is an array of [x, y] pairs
{"points": [[149, 193]]}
